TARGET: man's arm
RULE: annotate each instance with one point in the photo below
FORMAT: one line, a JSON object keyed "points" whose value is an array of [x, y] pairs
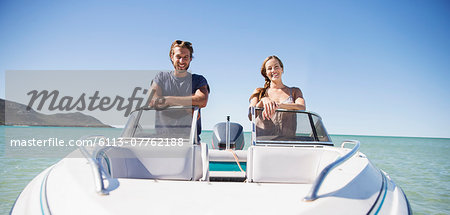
{"points": [[199, 98], [156, 95]]}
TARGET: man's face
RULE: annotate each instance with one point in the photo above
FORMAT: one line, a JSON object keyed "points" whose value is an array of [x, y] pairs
{"points": [[181, 58]]}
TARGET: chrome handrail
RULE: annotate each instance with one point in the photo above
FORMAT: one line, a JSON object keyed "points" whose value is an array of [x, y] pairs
{"points": [[95, 167], [348, 141], [312, 195]]}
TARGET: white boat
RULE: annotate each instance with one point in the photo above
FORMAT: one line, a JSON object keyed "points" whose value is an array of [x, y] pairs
{"points": [[157, 166]]}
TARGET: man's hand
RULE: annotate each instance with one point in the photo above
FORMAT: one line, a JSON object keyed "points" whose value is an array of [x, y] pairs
{"points": [[158, 103]]}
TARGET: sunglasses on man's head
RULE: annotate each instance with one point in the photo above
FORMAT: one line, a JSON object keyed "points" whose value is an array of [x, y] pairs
{"points": [[179, 42]]}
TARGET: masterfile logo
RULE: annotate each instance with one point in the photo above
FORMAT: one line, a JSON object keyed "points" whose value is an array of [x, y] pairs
{"points": [[86, 102], [108, 96]]}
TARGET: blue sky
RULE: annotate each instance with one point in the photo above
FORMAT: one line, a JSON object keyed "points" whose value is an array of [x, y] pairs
{"points": [[367, 67]]}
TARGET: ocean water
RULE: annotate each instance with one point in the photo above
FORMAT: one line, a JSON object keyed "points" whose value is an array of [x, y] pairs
{"points": [[420, 166]]}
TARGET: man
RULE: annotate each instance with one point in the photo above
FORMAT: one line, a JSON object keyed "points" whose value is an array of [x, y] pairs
{"points": [[179, 87]]}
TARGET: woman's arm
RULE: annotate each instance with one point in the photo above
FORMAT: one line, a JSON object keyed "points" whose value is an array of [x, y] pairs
{"points": [[266, 103], [254, 102], [299, 101]]}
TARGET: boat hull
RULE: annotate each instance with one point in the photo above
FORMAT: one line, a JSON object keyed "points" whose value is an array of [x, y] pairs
{"points": [[356, 187]]}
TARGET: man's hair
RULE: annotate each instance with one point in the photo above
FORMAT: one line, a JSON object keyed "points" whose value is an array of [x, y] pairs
{"points": [[181, 44]]}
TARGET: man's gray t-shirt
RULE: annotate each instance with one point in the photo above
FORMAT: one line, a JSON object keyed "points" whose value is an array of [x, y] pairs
{"points": [[185, 86]]}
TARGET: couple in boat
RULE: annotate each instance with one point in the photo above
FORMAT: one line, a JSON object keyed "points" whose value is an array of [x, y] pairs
{"points": [[180, 87]]}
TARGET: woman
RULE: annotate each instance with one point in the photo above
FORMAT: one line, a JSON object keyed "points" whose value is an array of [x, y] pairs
{"points": [[275, 95]]}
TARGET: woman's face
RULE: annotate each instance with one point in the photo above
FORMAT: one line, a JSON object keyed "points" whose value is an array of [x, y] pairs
{"points": [[273, 69]]}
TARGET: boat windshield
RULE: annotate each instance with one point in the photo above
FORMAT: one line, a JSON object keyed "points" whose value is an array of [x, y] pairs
{"points": [[172, 122], [289, 126]]}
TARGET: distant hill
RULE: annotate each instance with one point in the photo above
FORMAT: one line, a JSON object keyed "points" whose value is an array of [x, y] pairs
{"points": [[19, 115]]}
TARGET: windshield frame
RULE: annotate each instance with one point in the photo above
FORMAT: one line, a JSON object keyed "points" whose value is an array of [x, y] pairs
{"points": [[135, 117], [291, 142]]}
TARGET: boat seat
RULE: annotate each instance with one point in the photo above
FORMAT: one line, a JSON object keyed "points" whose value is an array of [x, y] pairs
{"points": [[280, 164], [171, 163]]}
